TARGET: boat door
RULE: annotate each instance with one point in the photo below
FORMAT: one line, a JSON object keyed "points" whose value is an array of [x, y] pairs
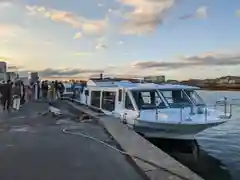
{"points": [[130, 113], [119, 100]]}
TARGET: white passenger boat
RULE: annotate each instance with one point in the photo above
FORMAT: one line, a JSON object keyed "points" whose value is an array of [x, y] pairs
{"points": [[155, 111]]}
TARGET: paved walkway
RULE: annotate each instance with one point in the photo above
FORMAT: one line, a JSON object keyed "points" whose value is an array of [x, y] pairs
{"points": [[33, 147]]}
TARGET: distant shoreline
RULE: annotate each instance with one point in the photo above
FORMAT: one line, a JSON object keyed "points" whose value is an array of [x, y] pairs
{"points": [[217, 87], [221, 88]]}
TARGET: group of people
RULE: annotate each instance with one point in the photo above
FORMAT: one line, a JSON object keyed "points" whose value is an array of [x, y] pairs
{"points": [[52, 90], [15, 94]]}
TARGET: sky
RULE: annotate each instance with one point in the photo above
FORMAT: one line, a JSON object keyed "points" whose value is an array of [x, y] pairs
{"points": [[181, 39]]}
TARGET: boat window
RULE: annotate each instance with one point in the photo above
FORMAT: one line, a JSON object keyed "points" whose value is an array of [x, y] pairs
{"points": [[128, 102], [95, 98], [108, 100], [119, 95], [193, 95], [77, 93], [148, 99], [176, 98], [86, 93]]}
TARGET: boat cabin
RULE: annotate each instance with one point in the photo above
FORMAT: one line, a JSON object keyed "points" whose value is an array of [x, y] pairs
{"points": [[129, 100], [109, 96]]}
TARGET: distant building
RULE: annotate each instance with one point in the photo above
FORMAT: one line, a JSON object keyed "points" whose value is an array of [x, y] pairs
{"points": [[155, 79], [229, 80], [3, 67], [193, 82], [3, 70], [209, 81]]}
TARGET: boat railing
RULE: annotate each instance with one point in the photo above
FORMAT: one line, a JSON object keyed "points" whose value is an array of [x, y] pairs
{"points": [[225, 104]]}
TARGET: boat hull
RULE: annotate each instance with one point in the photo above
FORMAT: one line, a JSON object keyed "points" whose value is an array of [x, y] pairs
{"points": [[171, 131]]}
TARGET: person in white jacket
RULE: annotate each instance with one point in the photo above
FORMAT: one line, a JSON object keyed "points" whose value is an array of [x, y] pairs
{"points": [[16, 93]]}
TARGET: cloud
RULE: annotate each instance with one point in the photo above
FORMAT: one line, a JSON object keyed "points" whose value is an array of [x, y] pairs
{"points": [[77, 35], [101, 43], [120, 42], [4, 41], [77, 73], [94, 27], [145, 15], [6, 3], [206, 59], [100, 5], [48, 42], [87, 26], [201, 13], [4, 58], [82, 53], [55, 15], [101, 46], [115, 12], [145, 68], [9, 30], [238, 13], [64, 72]]}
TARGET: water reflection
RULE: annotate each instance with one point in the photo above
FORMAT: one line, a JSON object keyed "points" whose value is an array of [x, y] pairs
{"points": [[201, 163]]}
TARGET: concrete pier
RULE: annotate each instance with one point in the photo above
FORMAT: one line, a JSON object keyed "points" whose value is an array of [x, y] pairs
{"points": [[34, 147], [156, 164]]}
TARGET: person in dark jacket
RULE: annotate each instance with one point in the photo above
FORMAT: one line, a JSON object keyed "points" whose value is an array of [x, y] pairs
{"points": [[56, 89], [61, 89], [2, 89], [22, 101], [45, 89], [7, 95], [38, 89], [42, 89]]}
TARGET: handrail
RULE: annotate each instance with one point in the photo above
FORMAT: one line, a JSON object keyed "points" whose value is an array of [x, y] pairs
{"points": [[205, 113], [225, 103], [181, 114], [227, 113], [193, 104]]}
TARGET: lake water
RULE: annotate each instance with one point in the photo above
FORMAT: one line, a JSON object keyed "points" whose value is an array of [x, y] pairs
{"points": [[219, 157], [223, 142]]}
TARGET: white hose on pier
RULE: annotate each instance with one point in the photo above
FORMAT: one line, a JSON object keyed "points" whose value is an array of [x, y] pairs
{"points": [[68, 131]]}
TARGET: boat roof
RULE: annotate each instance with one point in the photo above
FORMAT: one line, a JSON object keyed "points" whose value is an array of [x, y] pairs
{"points": [[130, 85], [164, 86]]}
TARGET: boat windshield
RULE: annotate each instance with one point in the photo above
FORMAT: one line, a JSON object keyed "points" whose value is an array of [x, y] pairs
{"points": [[182, 98], [147, 99], [194, 96]]}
